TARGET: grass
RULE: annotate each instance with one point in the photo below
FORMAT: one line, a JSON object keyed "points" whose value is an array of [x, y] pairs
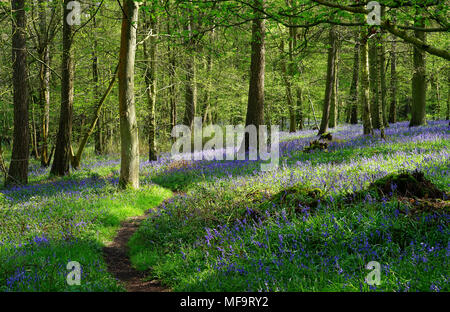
{"points": [[235, 229], [232, 233], [46, 225]]}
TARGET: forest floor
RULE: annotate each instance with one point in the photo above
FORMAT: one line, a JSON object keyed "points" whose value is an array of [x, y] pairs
{"points": [[312, 225]]}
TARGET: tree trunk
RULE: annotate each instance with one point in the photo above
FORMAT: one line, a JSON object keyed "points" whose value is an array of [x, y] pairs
{"points": [[374, 81], [150, 56], [419, 83], [172, 88], [129, 165], [330, 81], [354, 86], [207, 117], [300, 108], [287, 77], [92, 127], [364, 86], [18, 169], [62, 157], [255, 103], [393, 104], [435, 95], [44, 82], [382, 60], [447, 117], [191, 84], [99, 125], [332, 122]]}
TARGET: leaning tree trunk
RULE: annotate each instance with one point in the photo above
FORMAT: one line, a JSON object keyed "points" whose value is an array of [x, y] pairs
{"points": [[129, 160], [393, 87], [77, 157], [255, 103], [18, 169], [419, 82], [364, 87], [63, 153], [150, 50], [354, 86], [330, 81]]}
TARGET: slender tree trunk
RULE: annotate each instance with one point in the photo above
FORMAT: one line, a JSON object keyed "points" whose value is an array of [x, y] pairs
{"points": [[44, 81], [354, 85], [332, 122], [99, 125], [419, 82], [435, 96], [364, 85], [191, 84], [92, 127], [63, 154], [150, 55], [287, 81], [129, 165], [382, 60], [207, 117], [300, 108], [393, 104], [330, 81], [255, 104], [18, 169], [447, 117], [34, 137], [172, 88], [291, 72], [374, 81]]}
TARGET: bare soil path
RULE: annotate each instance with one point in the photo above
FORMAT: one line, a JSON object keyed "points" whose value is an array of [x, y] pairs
{"points": [[119, 264]]}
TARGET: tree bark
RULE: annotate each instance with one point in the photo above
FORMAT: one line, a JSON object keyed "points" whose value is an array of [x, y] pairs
{"points": [[255, 103], [447, 115], [330, 81], [382, 60], [300, 107], [364, 87], [99, 124], [92, 127], [393, 104], [419, 83], [374, 82], [129, 164], [63, 154], [191, 83], [354, 85], [172, 88], [18, 169], [332, 122], [150, 56], [287, 77], [44, 82]]}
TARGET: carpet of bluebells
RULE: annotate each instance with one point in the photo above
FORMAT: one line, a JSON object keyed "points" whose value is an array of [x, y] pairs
{"points": [[222, 232], [49, 223], [225, 234]]}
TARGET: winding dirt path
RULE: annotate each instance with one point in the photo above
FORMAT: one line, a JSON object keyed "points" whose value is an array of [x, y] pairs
{"points": [[119, 264]]}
